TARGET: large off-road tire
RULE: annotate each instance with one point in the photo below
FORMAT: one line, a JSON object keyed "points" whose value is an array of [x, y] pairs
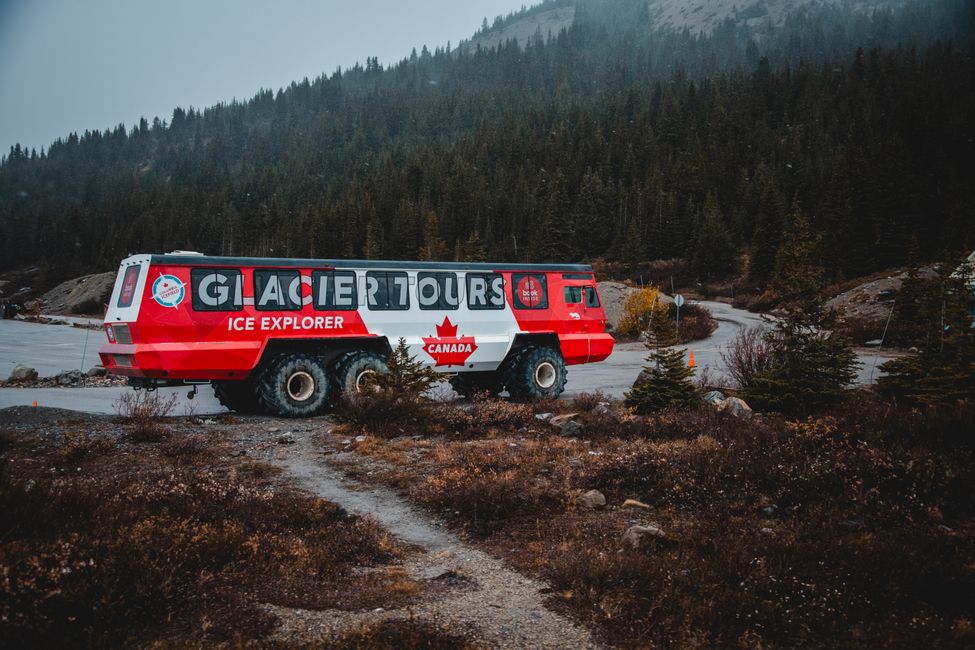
{"points": [[471, 384], [294, 386], [238, 396], [353, 371], [535, 372]]}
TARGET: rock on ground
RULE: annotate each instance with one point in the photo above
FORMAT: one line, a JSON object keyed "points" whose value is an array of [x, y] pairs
{"points": [[613, 296], [736, 407], [80, 294], [714, 397], [636, 536], [22, 373], [867, 300], [591, 500], [566, 424], [633, 503]]}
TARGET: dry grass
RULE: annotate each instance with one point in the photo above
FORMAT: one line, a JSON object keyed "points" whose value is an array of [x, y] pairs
{"points": [[402, 634], [104, 541], [850, 529], [386, 416]]}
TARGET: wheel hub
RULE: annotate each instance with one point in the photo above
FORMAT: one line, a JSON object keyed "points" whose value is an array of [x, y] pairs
{"points": [[545, 375], [301, 386], [362, 380]]}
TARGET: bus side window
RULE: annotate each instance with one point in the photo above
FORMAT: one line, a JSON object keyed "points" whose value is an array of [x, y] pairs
{"points": [[592, 297], [529, 290], [277, 290], [437, 290], [387, 290], [485, 291], [573, 295], [334, 290], [217, 289]]}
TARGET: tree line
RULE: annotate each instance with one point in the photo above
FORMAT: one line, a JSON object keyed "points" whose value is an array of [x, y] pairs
{"points": [[610, 140]]}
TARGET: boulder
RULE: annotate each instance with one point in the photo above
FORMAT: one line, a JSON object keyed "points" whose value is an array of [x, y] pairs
{"points": [[97, 371], [85, 295], [22, 373], [636, 537], [562, 419], [566, 424], [604, 411], [591, 500], [736, 407], [544, 417], [69, 378], [714, 397], [286, 438], [614, 296]]}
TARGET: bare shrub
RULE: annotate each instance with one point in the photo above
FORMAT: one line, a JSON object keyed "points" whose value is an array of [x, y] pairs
{"points": [[145, 410], [383, 413], [589, 401], [696, 322], [747, 355]]}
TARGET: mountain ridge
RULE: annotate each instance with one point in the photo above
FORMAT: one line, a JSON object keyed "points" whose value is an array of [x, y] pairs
{"points": [[608, 141]]}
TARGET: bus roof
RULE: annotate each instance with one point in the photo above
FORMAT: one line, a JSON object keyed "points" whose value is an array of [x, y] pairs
{"points": [[206, 260]]}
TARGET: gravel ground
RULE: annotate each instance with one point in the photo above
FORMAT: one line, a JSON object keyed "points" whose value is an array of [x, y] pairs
{"points": [[499, 607]]}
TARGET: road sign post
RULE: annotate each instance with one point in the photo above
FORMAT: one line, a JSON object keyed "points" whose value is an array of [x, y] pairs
{"points": [[679, 302]]}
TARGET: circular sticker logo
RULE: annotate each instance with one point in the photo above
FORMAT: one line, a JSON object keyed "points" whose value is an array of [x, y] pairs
{"points": [[168, 291], [530, 291]]}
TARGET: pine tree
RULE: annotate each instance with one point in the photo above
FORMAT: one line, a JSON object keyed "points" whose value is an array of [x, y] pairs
{"points": [[434, 247], [768, 229], [474, 248], [666, 381], [812, 364], [714, 251], [944, 371], [406, 376]]}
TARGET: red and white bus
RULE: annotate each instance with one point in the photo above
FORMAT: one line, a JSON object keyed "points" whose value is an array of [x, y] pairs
{"points": [[288, 336]]}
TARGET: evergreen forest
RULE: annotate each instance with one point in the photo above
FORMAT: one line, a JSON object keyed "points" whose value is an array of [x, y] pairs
{"points": [[612, 140]]}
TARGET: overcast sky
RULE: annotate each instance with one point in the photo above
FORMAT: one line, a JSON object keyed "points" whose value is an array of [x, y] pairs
{"points": [[71, 65]]}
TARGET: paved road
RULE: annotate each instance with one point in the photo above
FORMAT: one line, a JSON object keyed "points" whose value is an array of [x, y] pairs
{"points": [[51, 349], [616, 374], [47, 348]]}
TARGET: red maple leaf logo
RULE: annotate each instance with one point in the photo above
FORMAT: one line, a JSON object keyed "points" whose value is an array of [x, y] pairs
{"points": [[448, 349]]}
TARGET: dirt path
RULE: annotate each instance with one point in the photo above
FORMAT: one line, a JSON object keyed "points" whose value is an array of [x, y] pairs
{"points": [[500, 607]]}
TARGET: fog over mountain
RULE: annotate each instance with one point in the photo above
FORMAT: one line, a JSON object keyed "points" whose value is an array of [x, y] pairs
{"points": [[613, 139], [70, 66]]}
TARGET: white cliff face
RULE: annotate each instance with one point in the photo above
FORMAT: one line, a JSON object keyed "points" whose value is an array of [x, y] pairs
{"points": [[698, 16], [703, 16]]}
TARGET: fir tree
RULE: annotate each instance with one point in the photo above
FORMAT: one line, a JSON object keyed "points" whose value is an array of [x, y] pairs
{"points": [[434, 247], [714, 251], [812, 364], [406, 377], [944, 371], [667, 380], [474, 248]]}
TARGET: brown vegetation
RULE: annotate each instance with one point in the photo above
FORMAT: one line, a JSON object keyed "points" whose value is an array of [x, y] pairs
{"points": [[852, 528], [106, 539]]}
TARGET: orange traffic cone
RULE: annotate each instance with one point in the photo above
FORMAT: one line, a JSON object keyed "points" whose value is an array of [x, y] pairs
{"points": [[691, 363]]}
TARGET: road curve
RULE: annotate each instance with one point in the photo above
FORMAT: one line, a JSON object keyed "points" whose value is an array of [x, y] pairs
{"points": [[51, 349]]}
